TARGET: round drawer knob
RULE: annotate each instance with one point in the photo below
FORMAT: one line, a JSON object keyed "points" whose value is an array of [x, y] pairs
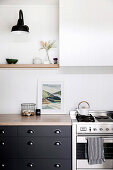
{"points": [[2, 143], [30, 131], [57, 131], [2, 165], [30, 165], [57, 143], [2, 131], [57, 165], [30, 143]]}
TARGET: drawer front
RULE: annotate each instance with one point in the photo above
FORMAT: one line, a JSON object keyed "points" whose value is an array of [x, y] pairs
{"points": [[35, 164], [10, 164], [44, 147], [8, 131], [63, 131], [8, 147], [45, 164]]}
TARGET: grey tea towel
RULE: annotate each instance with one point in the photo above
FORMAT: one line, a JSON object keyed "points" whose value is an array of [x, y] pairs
{"points": [[95, 150]]}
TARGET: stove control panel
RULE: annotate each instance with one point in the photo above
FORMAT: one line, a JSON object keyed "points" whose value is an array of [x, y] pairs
{"points": [[95, 128]]}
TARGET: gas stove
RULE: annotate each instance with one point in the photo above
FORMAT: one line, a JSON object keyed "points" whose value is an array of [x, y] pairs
{"points": [[94, 116], [90, 118], [96, 124]]}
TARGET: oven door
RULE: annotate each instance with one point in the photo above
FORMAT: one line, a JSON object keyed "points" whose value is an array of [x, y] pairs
{"points": [[82, 154], [94, 169]]}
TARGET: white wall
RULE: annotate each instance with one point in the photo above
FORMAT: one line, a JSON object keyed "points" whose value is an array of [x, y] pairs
{"points": [[19, 86], [29, 2], [43, 24]]}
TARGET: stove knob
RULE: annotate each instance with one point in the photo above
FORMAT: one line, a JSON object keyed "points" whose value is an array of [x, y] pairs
{"points": [[107, 129], [95, 129], [90, 129], [101, 129]]}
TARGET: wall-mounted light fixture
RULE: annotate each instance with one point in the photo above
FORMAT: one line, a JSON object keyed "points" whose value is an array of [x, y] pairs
{"points": [[20, 27]]}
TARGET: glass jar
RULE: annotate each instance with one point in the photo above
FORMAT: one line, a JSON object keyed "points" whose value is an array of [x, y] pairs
{"points": [[37, 61], [28, 109]]}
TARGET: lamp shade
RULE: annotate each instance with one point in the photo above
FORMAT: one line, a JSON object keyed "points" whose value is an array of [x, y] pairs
{"points": [[20, 24]]}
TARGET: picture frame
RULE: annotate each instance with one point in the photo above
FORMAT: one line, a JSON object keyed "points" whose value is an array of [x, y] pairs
{"points": [[51, 97]]}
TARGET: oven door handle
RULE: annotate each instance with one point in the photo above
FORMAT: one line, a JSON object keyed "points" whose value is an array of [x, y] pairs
{"points": [[107, 139], [100, 137], [83, 139]]}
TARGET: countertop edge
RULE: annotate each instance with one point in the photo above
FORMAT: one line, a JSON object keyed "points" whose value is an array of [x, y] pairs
{"points": [[37, 124]]}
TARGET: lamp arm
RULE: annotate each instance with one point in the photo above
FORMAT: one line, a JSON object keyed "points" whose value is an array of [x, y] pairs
{"points": [[21, 18]]}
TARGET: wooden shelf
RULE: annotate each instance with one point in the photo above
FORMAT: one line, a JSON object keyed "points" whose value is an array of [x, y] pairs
{"points": [[29, 66]]}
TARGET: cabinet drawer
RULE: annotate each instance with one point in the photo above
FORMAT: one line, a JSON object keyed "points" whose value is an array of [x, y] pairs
{"points": [[10, 164], [8, 147], [44, 131], [46, 164], [8, 131], [41, 147]]}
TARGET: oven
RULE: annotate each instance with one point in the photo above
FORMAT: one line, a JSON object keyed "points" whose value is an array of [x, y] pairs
{"points": [[82, 156], [80, 148]]}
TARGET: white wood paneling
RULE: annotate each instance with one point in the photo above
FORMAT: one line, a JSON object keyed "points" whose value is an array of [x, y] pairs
{"points": [[86, 32]]}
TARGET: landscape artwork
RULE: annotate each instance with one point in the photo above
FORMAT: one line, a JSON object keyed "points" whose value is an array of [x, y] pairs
{"points": [[51, 96]]}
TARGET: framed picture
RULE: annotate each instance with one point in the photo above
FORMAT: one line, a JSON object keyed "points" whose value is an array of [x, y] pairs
{"points": [[51, 97]]}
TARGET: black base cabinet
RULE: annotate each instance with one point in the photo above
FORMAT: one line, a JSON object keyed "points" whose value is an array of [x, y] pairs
{"points": [[35, 147], [45, 164], [9, 164], [35, 164], [44, 147]]}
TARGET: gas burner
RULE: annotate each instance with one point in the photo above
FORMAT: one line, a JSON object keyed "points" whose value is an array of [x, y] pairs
{"points": [[84, 118], [102, 117]]}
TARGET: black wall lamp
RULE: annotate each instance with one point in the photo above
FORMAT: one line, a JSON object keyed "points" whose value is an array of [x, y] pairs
{"points": [[20, 27]]}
